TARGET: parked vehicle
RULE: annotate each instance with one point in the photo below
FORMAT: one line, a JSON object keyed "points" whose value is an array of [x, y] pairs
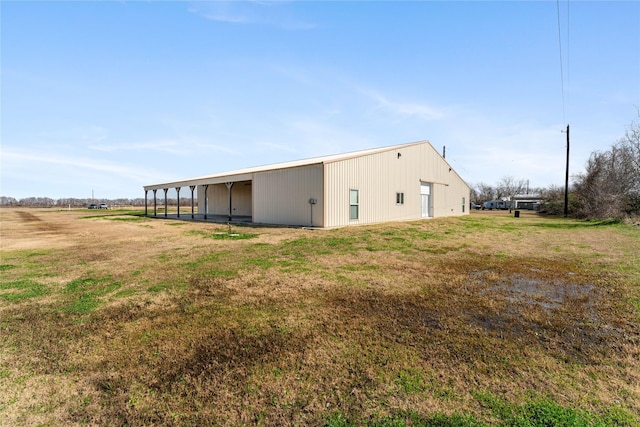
{"points": [[496, 204], [92, 206], [103, 206]]}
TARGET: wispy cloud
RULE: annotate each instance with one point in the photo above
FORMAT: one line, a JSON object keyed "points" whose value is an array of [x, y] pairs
{"points": [[165, 146], [270, 146], [421, 111], [93, 134], [16, 160], [272, 13], [82, 134], [184, 146], [321, 136], [217, 148]]}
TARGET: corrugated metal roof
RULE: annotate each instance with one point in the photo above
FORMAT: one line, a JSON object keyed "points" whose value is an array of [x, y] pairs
{"points": [[284, 165]]}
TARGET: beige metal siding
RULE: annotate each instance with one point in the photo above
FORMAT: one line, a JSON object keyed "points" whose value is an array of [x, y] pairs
{"points": [[282, 196], [379, 176], [242, 198], [218, 199], [200, 198]]}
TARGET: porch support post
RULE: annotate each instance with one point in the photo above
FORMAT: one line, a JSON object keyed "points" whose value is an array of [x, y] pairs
{"points": [[155, 202], [178, 196], [192, 187], [206, 201], [165, 201], [146, 212], [229, 187]]}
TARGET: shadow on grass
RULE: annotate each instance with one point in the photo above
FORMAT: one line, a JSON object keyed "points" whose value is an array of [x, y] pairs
{"points": [[571, 224]]}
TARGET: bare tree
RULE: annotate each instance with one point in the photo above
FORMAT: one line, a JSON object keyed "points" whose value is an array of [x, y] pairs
{"points": [[630, 151], [508, 187], [610, 185], [7, 201], [37, 202], [553, 200], [482, 192]]}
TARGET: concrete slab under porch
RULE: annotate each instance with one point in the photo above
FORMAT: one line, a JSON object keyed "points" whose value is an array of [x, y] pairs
{"points": [[217, 219]]}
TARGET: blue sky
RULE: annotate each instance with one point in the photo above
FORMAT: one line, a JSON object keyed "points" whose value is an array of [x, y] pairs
{"points": [[109, 96]]}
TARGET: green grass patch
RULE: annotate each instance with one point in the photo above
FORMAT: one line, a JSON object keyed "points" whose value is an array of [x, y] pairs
{"points": [[125, 293], [22, 255], [411, 381], [539, 413], [20, 290], [406, 419], [635, 302], [304, 247], [264, 263], [160, 287], [84, 295], [214, 264], [128, 218], [340, 243], [546, 412], [477, 224], [83, 305], [5, 373], [39, 253]]}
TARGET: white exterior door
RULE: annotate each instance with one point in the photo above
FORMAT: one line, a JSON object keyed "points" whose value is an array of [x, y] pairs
{"points": [[425, 199]]}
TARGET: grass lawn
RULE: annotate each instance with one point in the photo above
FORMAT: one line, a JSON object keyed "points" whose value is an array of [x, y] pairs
{"points": [[116, 319]]}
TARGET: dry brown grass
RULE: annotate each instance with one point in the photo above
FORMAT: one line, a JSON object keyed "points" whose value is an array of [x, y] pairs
{"points": [[158, 322]]}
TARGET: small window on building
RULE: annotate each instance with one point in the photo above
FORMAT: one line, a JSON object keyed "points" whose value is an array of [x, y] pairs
{"points": [[354, 204], [464, 202], [399, 198]]}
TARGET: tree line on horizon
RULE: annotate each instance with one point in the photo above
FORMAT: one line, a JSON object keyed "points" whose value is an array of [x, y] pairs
{"points": [[47, 202]]}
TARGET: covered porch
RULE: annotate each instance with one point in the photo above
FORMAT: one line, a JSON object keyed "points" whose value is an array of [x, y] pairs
{"points": [[215, 200]]}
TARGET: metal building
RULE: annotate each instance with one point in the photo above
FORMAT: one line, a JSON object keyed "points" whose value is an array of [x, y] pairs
{"points": [[396, 183]]}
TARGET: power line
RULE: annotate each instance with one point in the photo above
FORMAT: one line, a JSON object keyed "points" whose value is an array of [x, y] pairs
{"points": [[561, 61], [568, 52], [566, 179]]}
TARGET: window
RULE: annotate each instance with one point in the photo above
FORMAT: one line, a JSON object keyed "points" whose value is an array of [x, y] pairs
{"points": [[353, 204], [399, 198], [464, 202]]}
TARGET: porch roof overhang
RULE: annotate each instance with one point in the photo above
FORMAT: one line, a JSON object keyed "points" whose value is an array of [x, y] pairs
{"points": [[205, 180]]}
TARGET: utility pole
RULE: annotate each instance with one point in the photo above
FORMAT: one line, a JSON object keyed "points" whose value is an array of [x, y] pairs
{"points": [[566, 180]]}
